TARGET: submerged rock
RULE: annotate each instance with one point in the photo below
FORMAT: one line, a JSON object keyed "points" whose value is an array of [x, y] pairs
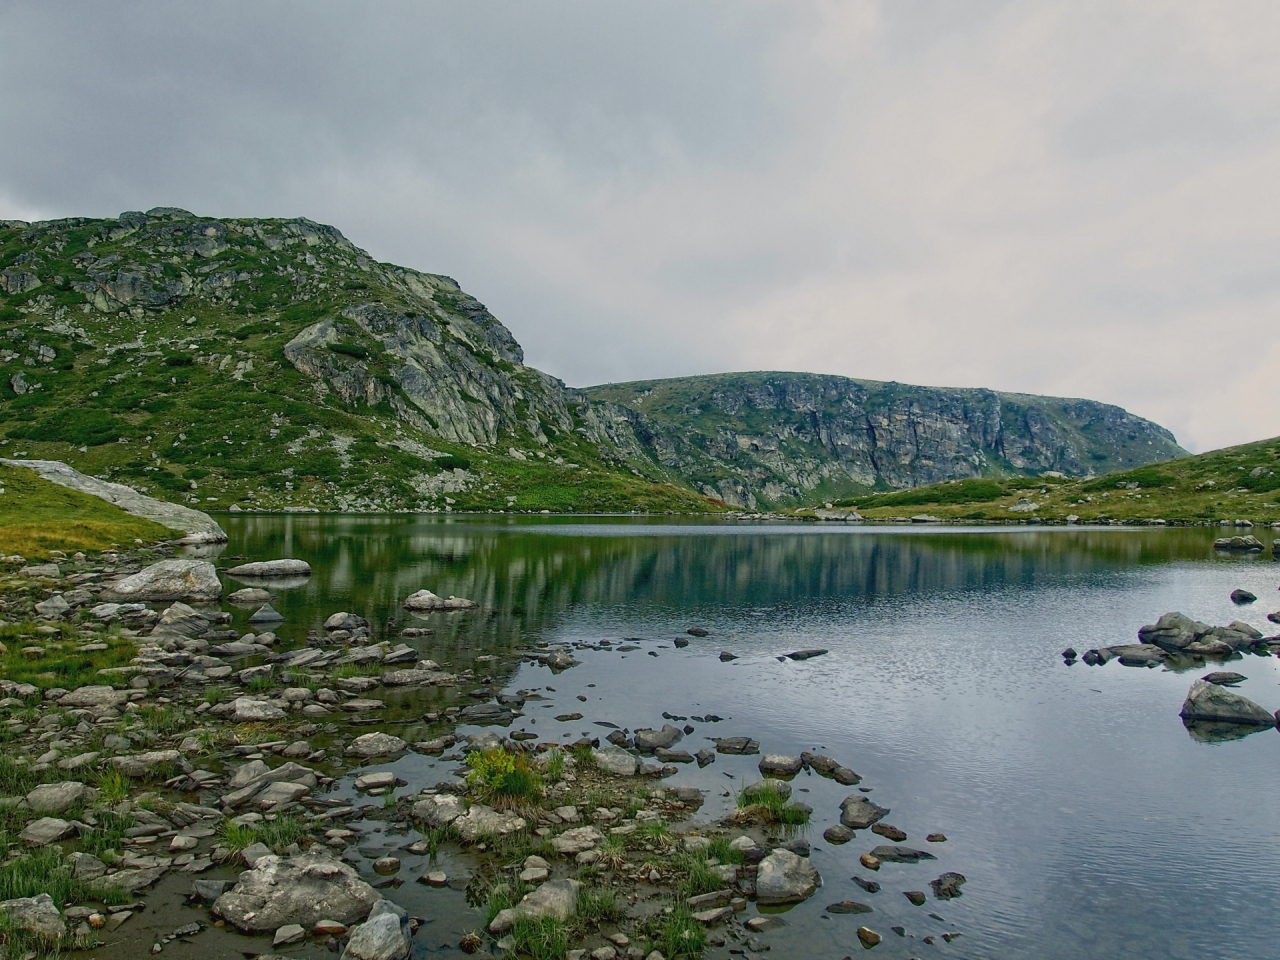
{"points": [[1209, 701]]}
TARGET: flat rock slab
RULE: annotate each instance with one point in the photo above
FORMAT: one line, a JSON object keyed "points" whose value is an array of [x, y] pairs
{"points": [[272, 568], [784, 878], [96, 696], [894, 854], [57, 797], [779, 765], [46, 830], [736, 745]]}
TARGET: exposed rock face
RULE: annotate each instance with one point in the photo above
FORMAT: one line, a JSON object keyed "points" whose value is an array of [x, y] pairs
{"points": [[304, 889], [197, 525], [1209, 701], [774, 436], [179, 578]]}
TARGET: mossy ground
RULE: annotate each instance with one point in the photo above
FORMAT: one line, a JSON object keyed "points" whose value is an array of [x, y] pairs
{"points": [[1235, 483]]}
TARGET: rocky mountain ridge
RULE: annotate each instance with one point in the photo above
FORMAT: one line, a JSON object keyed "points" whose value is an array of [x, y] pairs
{"points": [[253, 363]]}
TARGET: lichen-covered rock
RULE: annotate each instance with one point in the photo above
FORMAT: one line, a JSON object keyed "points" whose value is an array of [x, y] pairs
{"points": [[376, 745], [784, 877]]}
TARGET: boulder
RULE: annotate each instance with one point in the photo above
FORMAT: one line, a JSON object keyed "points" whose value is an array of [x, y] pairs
{"points": [[858, 813], [179, 578], [304, 889], [266, 614], [272, 568], [481, 823], [779, 765], [180, 620], [250, 595], [1209, 701], [575, 841], [97, 696], [424, 601], [345, 621], [555, 898], [385, 935], [55, 606], [616, 761], [784, 877], [37, 916], [376, 745], [57, 797], [1173, 631], [440, 810], [251, 708], [46, 830]]}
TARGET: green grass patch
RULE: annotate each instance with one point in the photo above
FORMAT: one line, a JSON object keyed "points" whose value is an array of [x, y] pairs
{"points": [[541, 938], [498, 774]]}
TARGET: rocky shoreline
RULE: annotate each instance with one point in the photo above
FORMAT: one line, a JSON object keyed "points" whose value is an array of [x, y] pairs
{"points": [[154, 751]]}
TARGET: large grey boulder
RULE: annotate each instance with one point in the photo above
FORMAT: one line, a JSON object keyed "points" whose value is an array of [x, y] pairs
{"points": [[251, 708], [304, 889], [272, 568], [440, 810], [46, 830], [616, 761], [1208, 701], [57, 797], [37, 916], [424, 601], [376, 745], [178, 578], [555, 898], [858, 813], [384, 936], [1173, 631], [484, 823], [784, 877], [199, 527]]}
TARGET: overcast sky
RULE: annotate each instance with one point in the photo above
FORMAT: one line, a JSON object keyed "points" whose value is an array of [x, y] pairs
{"points": [[1068, 197]]}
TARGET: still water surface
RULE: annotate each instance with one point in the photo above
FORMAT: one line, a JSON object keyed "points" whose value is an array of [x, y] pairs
{"points": [[1086, 819]]}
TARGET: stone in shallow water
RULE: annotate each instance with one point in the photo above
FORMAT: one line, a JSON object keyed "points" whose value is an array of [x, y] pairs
{"points": [[1209, 701], [616, 761], [784, 877], [555, 898], [272, 568], [303, 889], [376, 745], [779, 765], [892, 854], [858, 813]]}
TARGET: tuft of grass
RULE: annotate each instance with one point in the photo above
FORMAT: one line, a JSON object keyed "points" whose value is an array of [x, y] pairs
{"points": [[276, 834], [261, 683], [680, 937], [720, 850], [699, 878], [554, 765], [104, 839], [113, 786], [499, 774], [162, 721], [770, 805], [541, 938], [583, 757], [501, 896], [215, 695], [612, 853], [236, 836], [597, 905]]}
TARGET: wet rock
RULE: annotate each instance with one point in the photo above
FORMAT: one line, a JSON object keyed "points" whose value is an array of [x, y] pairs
{"points": [[673, 756], [806, 654], [424, 601], [179, 578], [249, 596], [481, 822], [726, 656], [848, 906], [555, 898], [936, 838], [698, 632], [57, 797], [837, 834], [736, 745], [575, 841], [889, 832], [1224, 678], [870, 861], [705, 757], [386, 866], [616, 761], [858, 813], [272, 568], [1239, 596], [345, 621], [784, 877], [289, 933], [1209, 701], [779, 765], [915, 896], [36, 916], [868, 936], [439, 810], [868, 885], [303, 889], [479, 713], [376, 745], [947, 886], [1173, 631], [895, 854], [647, 740]]}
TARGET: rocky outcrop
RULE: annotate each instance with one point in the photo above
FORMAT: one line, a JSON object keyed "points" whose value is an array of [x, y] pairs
{"points": [[774, 437], [198, 526]]}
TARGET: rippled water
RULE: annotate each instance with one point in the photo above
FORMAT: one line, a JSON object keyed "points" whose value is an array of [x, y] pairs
{"points": [[1086, 819]]}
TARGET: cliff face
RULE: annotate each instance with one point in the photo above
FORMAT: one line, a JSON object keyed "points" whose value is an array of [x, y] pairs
{"points": [[273, 363], [777, 438]]}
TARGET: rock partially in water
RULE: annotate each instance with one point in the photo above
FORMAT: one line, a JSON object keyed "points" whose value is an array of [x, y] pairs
{"points": [[779, 765], [648, 740], [806, 654], [1245, 544], [345, 621], [1240, 596], [848, 906], [1209, 701], [837, 834], [784, 878], [304, 889], [385, 935], [376, 745], [266, 614], [889, 832], [947, 886], [179, 578], [858, 813], [272, 568], [895, 854], [439, 810], [1224, 678], [736, 745], [249, 596], [424, 601]]}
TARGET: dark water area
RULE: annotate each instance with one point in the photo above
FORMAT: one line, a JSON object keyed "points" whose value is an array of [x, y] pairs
{"points": [[1087, 820]]}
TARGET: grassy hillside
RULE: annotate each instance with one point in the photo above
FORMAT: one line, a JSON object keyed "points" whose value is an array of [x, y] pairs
{"points": [[37, 516], [151, 350], [1235, 483]]}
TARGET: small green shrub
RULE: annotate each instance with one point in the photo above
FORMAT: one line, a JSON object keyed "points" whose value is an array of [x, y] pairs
{"points": [[452, 463], [500, 774], [350, 350], [681, 937]]}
